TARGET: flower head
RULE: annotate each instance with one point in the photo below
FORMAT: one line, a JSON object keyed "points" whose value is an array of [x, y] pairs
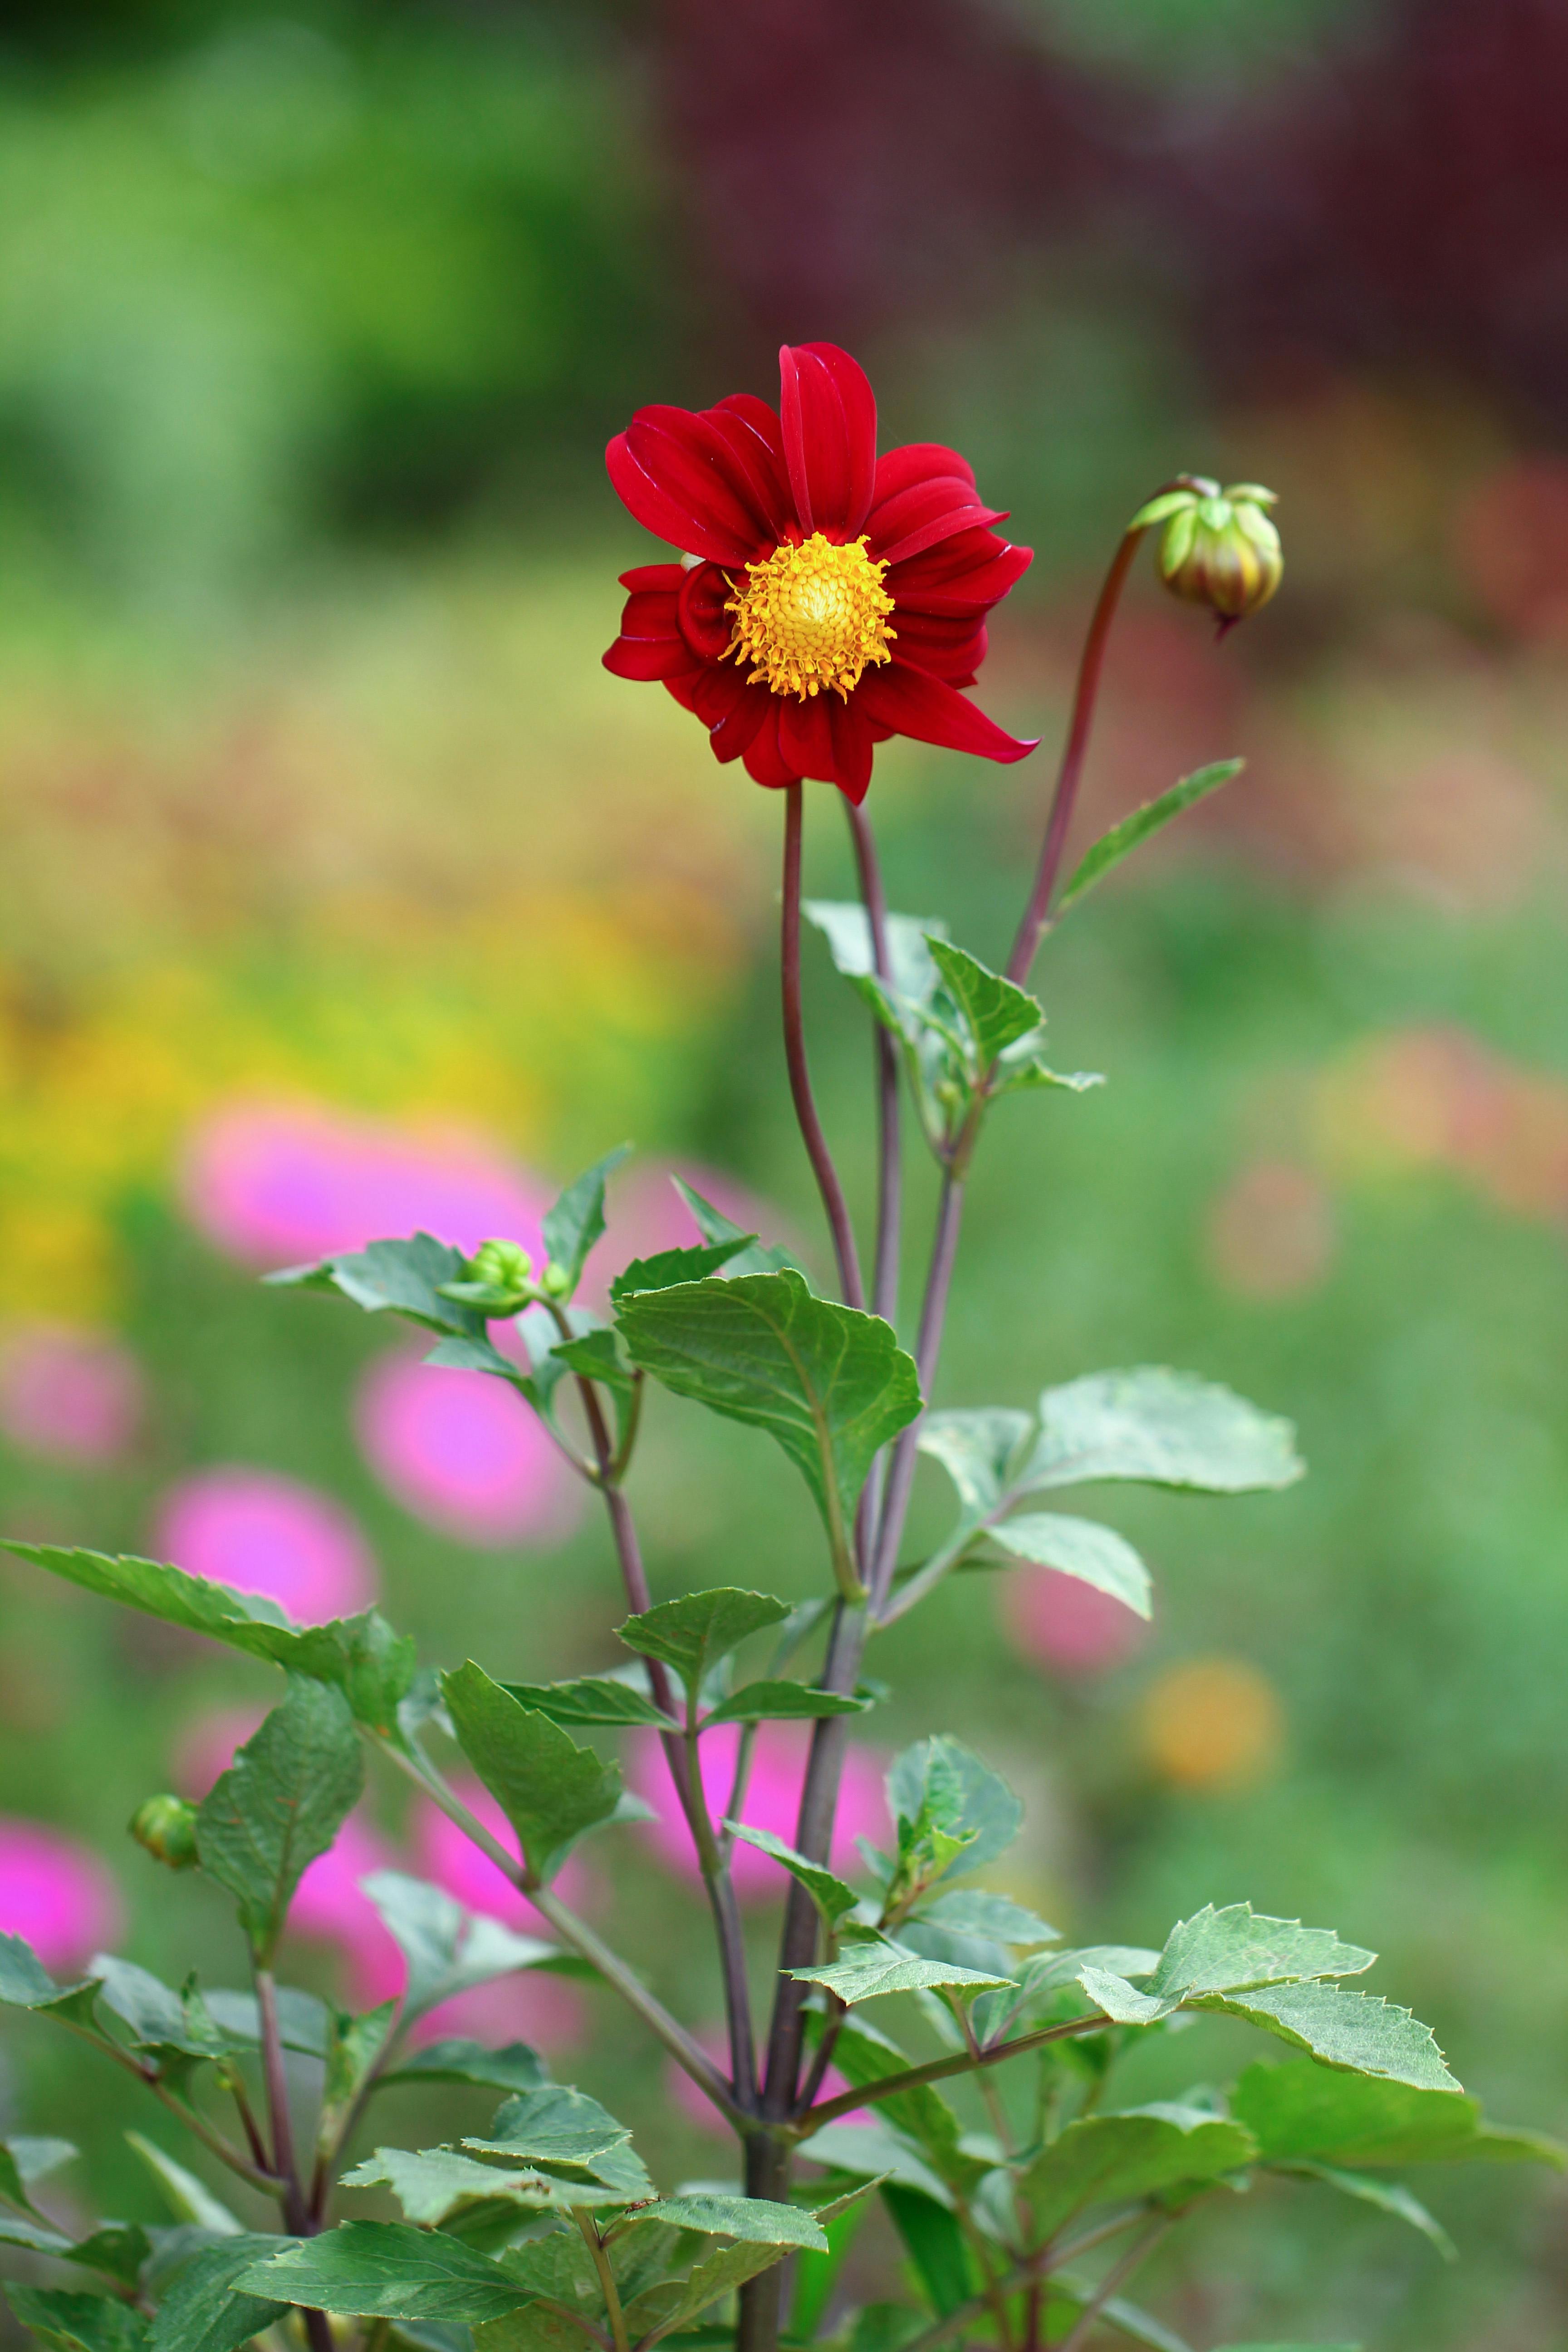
{"points": [[1218, 548], [826, 598]]}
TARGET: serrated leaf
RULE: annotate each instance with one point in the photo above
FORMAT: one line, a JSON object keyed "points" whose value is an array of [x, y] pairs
{"points": [[1353, 2029], [39, 2237], [154, 2011], [188, 2198], [1297, 2109], [756, 2221], [551, 1790], [575, 1223], [69, 2322], [693, 1631], [591, 1699], [666, 1268], [829, 1384], [847, 928], [940, 1786], [387, 2270], [994, 1012], [1161, 1428], [784, 1702], [563, 2131], [118, 2248], [371, 1665], [281, 1803], [971, 1911], [354, 2048], [1111, 847], [761, 1257], [1082, 1548], [205, 2310], [432, 2183], [447, 1949], [1233, 1949], [873, 1969], [394, 1277], [976, 1449], [830, 1894], [25, 1983], [1151, 2151], [1388, 2196], [514, 2067], [716, 2275]]}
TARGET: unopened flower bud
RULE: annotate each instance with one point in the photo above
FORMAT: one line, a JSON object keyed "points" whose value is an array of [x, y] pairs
{"points": [[556, 1281], [505, 1265], [166, 1826], [1218, 548]]}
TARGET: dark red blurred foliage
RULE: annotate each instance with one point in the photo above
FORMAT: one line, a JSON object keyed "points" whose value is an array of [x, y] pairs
{"points": [[1400, 199]]}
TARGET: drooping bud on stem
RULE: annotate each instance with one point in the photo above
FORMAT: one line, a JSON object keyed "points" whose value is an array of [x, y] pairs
{"points": [[1219, 548], [166, 1827]]}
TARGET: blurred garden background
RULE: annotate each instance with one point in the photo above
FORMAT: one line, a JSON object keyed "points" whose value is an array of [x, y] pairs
{"points": [[342, 890]]}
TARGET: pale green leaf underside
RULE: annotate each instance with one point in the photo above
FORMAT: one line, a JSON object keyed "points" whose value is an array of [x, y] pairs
{"points": [[1111, 847], [1161, 1427], [1082, 1548], [1112, 2159], [831, 1895], [872, 1970]]}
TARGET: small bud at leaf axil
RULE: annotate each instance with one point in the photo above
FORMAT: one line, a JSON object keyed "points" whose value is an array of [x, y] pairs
{"points": [[166, 1827]]}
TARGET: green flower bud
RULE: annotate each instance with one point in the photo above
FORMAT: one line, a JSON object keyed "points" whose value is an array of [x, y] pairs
{"points": [[556, 1281], [505, 1265], [1218, 547], [166, 1826]]}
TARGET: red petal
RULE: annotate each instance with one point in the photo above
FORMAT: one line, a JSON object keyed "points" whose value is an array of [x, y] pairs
{"points": [[755, 439], [923, 514], [738, 728], [649, 612], [699, 612], [829, 417], [805, 735], [647, 658], [682, 688], [764, 762], [917, 461], [966, 574], [911, 702], [952, 647], [654, 575], [678, 476], [852, 744]]}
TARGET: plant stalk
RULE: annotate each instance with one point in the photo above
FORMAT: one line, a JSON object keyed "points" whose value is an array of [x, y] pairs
{"points": [[600, 2257], [928, 1348], [937, 2070], [1083, 2327], [890, 1163], [817, 1153]]}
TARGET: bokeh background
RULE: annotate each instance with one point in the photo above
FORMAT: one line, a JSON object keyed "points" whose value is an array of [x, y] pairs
{"points": [[340, 889]]}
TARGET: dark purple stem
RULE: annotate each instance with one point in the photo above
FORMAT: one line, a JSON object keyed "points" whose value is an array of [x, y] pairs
{"points": [[928, 1348], [890, 1167], [821, 1158]]}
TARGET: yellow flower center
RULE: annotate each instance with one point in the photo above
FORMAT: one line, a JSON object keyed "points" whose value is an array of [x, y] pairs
{"points": [[812, 617]]}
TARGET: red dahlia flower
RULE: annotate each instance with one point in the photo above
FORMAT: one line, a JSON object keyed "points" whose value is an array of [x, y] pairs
{"points": [[826, 598]]}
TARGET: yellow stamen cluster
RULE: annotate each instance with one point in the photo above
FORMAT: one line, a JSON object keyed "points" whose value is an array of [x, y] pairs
{"points": [[812, 617]]}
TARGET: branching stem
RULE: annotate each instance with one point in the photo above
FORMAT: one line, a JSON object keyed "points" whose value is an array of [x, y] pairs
{"points": [[599, 2253]]}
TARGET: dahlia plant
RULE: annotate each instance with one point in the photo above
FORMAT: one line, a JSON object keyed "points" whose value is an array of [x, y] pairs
{"points": [[823, 599]]}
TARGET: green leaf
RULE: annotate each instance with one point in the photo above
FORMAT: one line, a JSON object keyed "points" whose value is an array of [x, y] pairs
{"points": [[447, 1949], [1353, 2029], [372, 1666], [118, 2248], [816, 2275], [1163, 1428], [575, 1223], [591, 1699], [1023, 1068], [1070, 2295], [25, 1983], [872, 1969], [971, 1911], [667, 1268], [864, 2054], [394, 1277], [1298, 2109], [563, 2131], [847, 928], [188, 2198], [435, 2182], [1113, 847], [770, 1702], [976, 1449], [281, 1803], [716, 2275], [1082, 1549], [385, 2270], [1152, 2151], [830, 1894], [933, 2240], [597, 1355], [874, 2151], [829, 1384], [77, 2323], [551, 1790], [1225, 1951], [756, 2221], [1388, 2196], [692, 1633], [34, 2158], [206, 2309], [354, 2046], [516, 2067], [940, 1786], [762, 1257], [153, 2011], [302, 2021], [994, 1012]]}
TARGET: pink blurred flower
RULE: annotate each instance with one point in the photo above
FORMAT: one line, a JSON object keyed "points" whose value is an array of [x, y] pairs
{"points": [[1067, 1624], [646, 1215], [75, 1396], [528, 2006], [206, 1748], [329, 1908], [772, 1801], [260, 1532], [55, 1895], [464, 1454], [449, 1860], [273, 1183]]}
